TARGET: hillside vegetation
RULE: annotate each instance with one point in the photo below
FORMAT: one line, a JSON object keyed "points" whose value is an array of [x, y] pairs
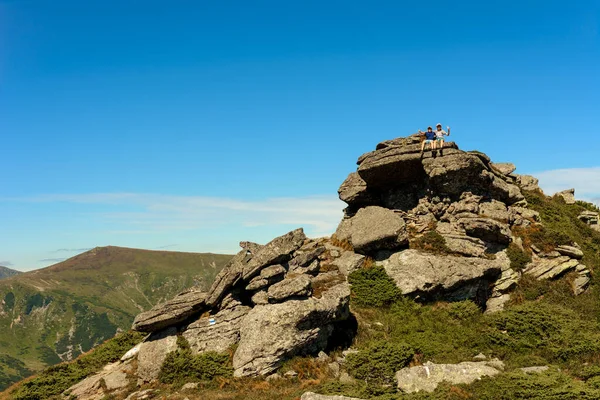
{"points": [[57, 313]]}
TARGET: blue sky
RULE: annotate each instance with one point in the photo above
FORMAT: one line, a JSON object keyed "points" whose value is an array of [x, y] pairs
{"points": [[192, 125]]}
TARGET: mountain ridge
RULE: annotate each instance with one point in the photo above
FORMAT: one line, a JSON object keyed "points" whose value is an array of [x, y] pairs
{"points": [[6, 272]]}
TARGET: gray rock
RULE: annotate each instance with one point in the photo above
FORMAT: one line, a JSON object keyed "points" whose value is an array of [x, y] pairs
{"points": [[428, 376], [272, 333], [550, 268], [257, 283], [314, 396], [290, 374], [504, 168], [535, 370], [420, 274], [349, 262], [521, 216], [116, 380], [501, 288], [495, 210], [346, 378], [274, 377], [141, 395], [582, 281], [334, 368], [190, 386], [273, 272], [260, 298], [216, 332], [528, 182], [372, 229], [570, 251], [323, 357], [113, 378], [567, 195], [353, 191], [465, 245], [277, 251], [486, 229], [230, 275], [172, 312], [591, 218], [480, 357], [305, 259], [299, 286], [153, 352]]}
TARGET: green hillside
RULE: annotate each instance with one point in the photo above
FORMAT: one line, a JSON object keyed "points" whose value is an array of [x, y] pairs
{"points": [[56, 313], [7, 272]]}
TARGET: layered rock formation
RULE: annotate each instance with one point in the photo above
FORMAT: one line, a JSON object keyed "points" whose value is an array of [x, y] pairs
{"points": [[439, 224]]}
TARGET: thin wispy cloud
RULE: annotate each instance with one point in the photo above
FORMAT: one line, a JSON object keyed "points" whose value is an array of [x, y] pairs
{"points": [[51, 260], [585, 181], [6, 263], [71, 250], [153, 213]]}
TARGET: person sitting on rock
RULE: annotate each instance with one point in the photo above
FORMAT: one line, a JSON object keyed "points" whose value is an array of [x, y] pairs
{"points": [[440, 133], [429, 138]]}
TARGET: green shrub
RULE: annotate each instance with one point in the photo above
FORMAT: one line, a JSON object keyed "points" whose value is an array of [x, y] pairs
{"points": [[432, 242], [379, 361], [56, 379], [373, 287], [463, 310], [181, 366], [518, 258]]}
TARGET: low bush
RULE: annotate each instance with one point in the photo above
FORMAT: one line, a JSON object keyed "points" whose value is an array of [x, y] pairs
{"points": [[432, 242], [373, 287], [378, 361], [181, 366], [518, 257]]}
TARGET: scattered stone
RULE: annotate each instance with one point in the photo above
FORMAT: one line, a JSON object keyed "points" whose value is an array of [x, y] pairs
{"points": [[480, 356], [274, 377], [535, 370], [428, 376], [141, 395], [323, 357], [550, 268], [314, 396], [290, 374], [190, 386], [346, 378], [334, 368], [373, 228], [131, 353], [570, 251]]}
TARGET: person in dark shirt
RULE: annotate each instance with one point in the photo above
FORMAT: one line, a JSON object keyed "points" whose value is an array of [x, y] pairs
{"points": [[429, 138]]}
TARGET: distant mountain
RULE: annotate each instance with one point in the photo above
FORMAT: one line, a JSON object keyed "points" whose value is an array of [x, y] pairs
{"points": [[7, 272], [56, 313]]}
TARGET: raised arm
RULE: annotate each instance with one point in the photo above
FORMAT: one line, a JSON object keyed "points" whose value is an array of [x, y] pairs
{"points": [[448, 130]]}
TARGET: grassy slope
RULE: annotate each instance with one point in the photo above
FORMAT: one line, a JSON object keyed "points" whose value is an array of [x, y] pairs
{"points": [[56, 313], [544, 325], [7, 272]]}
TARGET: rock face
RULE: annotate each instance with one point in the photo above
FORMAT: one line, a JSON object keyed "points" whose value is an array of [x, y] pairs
{"points": [[273, 333], [430, 276], [174, 311], [591, 218], [567, 195], [428, 376]]}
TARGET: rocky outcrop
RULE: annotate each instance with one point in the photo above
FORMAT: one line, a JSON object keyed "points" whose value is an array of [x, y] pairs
{"points": [[555, 264], [428, 376], [504, 168], [430, 276], [528, 182], [591, 218], [272, 333], [567, 195]]}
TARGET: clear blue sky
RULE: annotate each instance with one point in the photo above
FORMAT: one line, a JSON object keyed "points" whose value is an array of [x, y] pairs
{"points": [[191, 125]]}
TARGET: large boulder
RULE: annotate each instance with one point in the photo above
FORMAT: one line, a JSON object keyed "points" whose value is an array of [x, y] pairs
{"points": [[272, 333], [373, 228], [298, 286], [177, 310], [591, 218], [428, 376], [504, 168], [567, 195], [550, 268], [429, 276], [153, 352]]}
